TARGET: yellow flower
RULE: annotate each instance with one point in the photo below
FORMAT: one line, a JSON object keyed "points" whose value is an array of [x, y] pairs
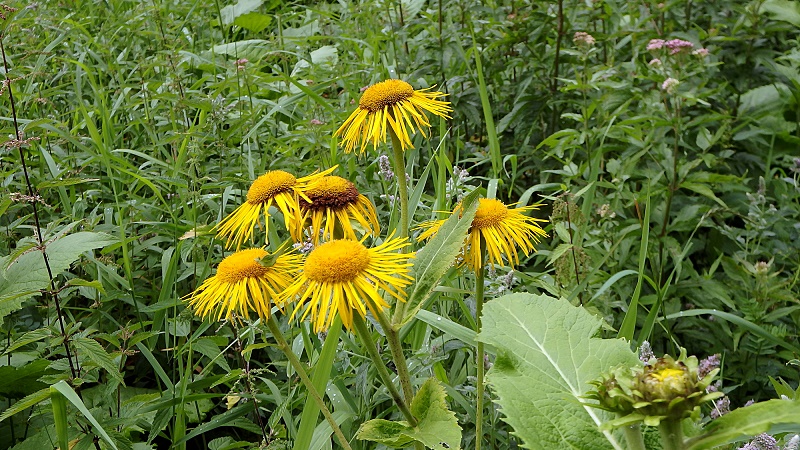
{"points": [[343, 276], [336, 201], [391, 105], [501, 229], [243, 284], [277, 188]]}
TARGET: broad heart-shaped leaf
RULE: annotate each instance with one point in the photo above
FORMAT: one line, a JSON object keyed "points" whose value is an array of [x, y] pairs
{"points": [[773, 416], [546, 356], [433, 260], [27, 275], [437, 428]]}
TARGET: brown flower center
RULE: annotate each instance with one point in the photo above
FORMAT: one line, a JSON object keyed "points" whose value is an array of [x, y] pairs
{"points": [[330, 192]]}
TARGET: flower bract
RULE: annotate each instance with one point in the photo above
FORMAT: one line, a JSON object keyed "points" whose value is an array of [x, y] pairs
{"points": [[501, 229], [277, 188], [242, 284], [333, 202], [391, 106], [343, 277]]}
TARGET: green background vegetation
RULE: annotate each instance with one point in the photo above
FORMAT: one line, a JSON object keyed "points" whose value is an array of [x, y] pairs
{"points": [[674, 216]]}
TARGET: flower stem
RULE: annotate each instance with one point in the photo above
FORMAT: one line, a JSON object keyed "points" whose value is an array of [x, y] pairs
{"points": [[671, 434], [400, 172], [480, 275], [301, 371], [363, 333], [633, 435], [396, 347]]}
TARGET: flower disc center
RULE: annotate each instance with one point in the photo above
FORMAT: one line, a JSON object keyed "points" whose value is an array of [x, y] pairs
{"points": [[241, 265], [331, 192], [337, 262], [269, 185], [385, 93], [490, 213]]}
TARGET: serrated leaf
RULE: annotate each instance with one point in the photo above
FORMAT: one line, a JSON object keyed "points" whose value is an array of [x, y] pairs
{"points": [[386, 432], [546, 357], [437, 429], [26, 275], [22, 380], [91, 349], [33, 399], [773, 416], [433, 261]]}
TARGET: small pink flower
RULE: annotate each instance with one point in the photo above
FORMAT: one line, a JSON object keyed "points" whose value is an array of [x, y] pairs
{"points": [[240, 63], [678, 45], [363, 89], [655, 44], [583, 38], [316, 122], [669, 85], [701, 52], [655, 62]]}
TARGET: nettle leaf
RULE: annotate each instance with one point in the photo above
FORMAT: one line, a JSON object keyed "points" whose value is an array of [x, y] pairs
{"points": [[26, 275], [547, 354], [94, 352], [773, 416], [437, 429]]}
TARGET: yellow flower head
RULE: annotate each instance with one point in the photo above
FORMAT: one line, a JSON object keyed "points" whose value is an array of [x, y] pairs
{"points": [[333, 202], [390, 106], [277, 188], [500, 228], [243, 284], [343, 276]]}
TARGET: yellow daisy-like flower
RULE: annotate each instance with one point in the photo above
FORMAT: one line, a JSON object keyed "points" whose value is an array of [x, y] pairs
{"points": [[343, 276], [277, 188], [243, 284], [501, 229], [332, 203], [391, 105]]}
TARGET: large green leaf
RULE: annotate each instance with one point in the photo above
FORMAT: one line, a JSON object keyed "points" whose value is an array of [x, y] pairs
{"points": [[786, 10], [433, 260], [547, 354], [26, 275], [773, 416], [437, 428]]}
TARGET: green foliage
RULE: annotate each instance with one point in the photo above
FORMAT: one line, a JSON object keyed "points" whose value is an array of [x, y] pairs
{"points": [[547, 355], [26, 274], [437, 428], [773, 416], [148, 120]]}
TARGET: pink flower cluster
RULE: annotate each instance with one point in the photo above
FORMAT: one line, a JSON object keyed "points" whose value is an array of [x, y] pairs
{"points": [[674, 45], [583, 38]]}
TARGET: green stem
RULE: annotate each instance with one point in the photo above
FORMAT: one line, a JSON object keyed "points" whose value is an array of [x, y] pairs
{"points": [[398, 163], [480, 275], [633, 435], [364, 334], [400, 172], [396, 347], [301, 371], [671, 434]]}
